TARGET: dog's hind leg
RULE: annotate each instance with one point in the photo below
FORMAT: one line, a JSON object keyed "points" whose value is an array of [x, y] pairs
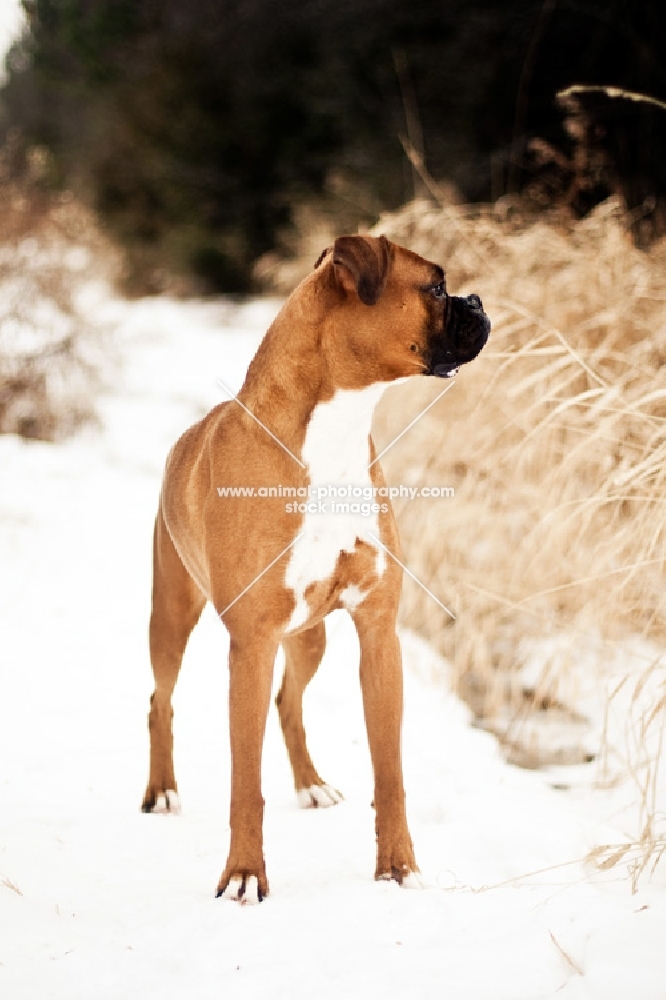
{"points": [[176, 607], [303, 654]]}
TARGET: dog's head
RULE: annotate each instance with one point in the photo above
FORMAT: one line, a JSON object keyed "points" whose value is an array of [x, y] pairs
{"points": [[401, 317]]}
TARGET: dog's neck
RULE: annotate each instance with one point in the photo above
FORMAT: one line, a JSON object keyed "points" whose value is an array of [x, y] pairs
{"points": [[289, 387], [337, 440]]}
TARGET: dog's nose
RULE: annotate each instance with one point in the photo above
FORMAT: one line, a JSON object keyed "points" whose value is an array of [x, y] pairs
{"points": [[474, 302]]}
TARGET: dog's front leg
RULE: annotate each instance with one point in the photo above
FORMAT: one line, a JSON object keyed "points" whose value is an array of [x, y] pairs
{"points": [[381, 683], [251, 661]]}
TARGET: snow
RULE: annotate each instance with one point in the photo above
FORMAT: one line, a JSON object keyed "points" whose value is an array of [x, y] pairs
{"points": [[12, 18], [98, 900]]}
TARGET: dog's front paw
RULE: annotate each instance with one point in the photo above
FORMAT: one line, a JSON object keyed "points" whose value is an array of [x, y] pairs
{"points": [[396, 862], [406, 879], [161, 801], [318, 797], [243, 886]]}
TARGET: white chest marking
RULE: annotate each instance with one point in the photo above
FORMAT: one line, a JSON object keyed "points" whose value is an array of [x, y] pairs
{"points": [[337, 453]]}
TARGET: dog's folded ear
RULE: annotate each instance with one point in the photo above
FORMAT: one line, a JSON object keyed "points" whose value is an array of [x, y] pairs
{"points": [[362, 264]]}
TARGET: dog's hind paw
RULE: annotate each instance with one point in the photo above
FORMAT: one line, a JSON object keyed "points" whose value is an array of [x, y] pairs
{"points": [[167, 801], [318, 797]]}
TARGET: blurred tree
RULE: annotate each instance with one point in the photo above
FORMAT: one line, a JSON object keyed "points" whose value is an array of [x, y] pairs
{"points": [[193, 126]]}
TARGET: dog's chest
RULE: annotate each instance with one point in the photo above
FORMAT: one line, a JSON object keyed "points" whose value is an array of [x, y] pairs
{"points": [[337, 453]]}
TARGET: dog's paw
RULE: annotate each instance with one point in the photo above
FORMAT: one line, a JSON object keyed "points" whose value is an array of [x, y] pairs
{"points": [[167, 801], [406, 880], [318, 797], [242, 889]]}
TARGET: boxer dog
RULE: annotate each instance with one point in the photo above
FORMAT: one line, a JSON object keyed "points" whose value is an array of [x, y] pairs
{"points": [[370, 314]]}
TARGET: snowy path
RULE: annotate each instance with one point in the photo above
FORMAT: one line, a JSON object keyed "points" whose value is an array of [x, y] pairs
{"points": [[99, 901]]}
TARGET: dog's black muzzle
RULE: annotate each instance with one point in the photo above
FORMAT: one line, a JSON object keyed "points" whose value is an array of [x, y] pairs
{"points": [[466, 329]]}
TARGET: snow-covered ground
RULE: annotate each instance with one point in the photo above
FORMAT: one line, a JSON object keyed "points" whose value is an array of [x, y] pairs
{"points": [[100, 901], [12, 18]]}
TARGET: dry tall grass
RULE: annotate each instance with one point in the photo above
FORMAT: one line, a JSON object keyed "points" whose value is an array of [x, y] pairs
{"points": [[554, 440]]}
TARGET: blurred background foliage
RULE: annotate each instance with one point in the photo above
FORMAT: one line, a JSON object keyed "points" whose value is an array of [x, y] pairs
{"points": [[194, 129]]}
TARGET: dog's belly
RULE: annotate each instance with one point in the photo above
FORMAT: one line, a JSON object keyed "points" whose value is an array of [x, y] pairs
{"points": [[337, 453]]}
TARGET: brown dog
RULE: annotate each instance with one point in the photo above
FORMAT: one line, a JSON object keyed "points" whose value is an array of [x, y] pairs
{"points": [[370, 314]]}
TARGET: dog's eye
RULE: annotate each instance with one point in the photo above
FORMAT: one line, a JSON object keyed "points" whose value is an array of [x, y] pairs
{"points": [[439, 291]]}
